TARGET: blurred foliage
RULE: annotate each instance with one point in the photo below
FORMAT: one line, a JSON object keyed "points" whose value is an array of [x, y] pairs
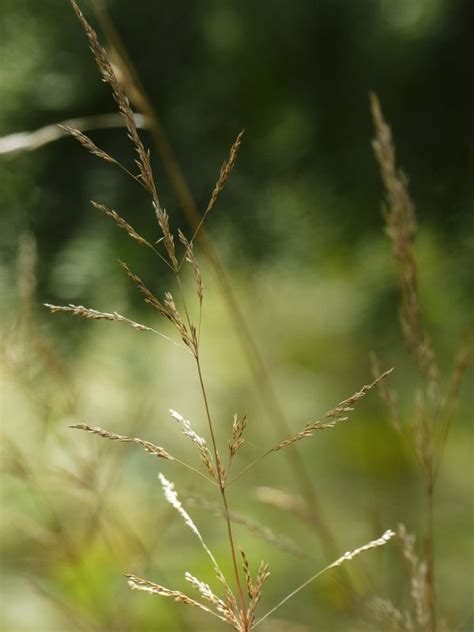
{"points": [[300, 230]]}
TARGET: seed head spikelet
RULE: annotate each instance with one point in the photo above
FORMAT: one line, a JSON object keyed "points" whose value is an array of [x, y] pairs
{"points": [[224, 174], [187, 430], [88, 144], [123, 224], [238, 428], [108, 75], [137, 583], [150, 298], [172, 497], [400, 222], [149, 447]]}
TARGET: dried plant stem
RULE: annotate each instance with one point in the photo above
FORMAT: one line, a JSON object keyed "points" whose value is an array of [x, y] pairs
{"points": [[224, 496], [29, 141], [266, 391]]}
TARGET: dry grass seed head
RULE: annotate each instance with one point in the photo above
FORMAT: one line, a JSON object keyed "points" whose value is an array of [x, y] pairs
{"points": [[334, 414], [401, 228], [172, 497], [222, 607], [257, 588], [88, 144], [176, 319], [238, 428], [123, 224], [388, 615], [417, 571], [204, 453], [254, 588], [108, 75], [151, 448], [225, 172], [93, 314], [168, 239], [149, 296], [137, 583]]}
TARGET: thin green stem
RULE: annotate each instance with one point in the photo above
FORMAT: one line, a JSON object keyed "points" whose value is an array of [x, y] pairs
{"points": [[429, 547], [194, 470], [223, 495], [290, 595], [247, 467], [183, 299]]}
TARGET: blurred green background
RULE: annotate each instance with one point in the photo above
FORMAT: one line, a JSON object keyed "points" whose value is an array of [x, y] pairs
{"points": [[300, 233]]}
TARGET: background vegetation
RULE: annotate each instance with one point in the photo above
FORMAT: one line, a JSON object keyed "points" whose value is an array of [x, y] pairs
{"points": [[300, 232]]}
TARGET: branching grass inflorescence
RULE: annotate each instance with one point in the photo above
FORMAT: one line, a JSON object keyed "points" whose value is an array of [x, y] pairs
{"points": [[237, 606], [426, 434]]}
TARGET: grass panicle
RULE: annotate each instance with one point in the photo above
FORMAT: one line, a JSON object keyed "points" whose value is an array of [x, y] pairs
{"points": [[109, 76], [236, 607], [431, 418]]}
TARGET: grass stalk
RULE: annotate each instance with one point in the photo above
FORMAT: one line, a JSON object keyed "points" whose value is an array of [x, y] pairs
{"points": [[222, 489]]}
